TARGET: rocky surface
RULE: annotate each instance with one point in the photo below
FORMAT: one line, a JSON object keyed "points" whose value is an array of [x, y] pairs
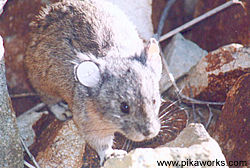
{"points": [[181, 55], [180, 13], [11, 155], [229, 26], [193, 144], [139, 12], [25, 123], [216, 73], [2, 3], [232, 130], [64, 146]]}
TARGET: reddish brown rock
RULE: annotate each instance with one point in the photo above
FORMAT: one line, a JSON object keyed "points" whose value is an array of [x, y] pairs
{"points": [[216, 73], [180, 12], [229, 26], [232, 130], [178, 15]]}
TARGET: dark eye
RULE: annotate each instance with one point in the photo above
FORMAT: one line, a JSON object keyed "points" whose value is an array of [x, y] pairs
{"points": [[154, 101], [124, 107]]}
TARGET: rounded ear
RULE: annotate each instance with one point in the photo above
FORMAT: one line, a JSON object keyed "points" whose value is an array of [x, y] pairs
{"points": [[88, 74], [153, 56]]}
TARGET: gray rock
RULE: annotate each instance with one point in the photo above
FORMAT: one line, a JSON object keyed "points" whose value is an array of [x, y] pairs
{"points": [[25, 122], [11, 154], [181, 55], [139, 12], [191, 147]]}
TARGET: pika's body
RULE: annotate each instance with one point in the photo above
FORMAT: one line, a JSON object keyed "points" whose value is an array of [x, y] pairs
{"points": [[88, 54]]}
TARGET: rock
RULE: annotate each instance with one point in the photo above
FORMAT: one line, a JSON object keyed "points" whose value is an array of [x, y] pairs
{"points": [[53, 143], [2, 3], [11, 155], [139, 12], [216, 73], [193, 144], [190, 6], [232, 129], [180, 13], [63, 146], [25, 123], [181, 55], [228, 26]]}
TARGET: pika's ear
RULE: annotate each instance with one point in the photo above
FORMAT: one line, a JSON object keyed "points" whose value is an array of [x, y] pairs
{"points": [[153, 56], [88, 74]]}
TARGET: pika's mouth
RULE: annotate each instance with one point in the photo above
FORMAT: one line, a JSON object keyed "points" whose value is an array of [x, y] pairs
{"points": [[142, 133], [135, 137]]}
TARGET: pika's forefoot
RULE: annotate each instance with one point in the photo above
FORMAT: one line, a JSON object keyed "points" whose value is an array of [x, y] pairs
{"points": [[111, 153], [61, 111]]}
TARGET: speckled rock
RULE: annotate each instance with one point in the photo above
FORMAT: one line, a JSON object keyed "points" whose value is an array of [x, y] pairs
{"points": [[11, 155], [64, 147], [216, 73], [193, 144], [232, 129]]}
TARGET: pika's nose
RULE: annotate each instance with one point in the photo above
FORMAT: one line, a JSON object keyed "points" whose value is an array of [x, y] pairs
{"points": [[146, 133], [152, 130]]}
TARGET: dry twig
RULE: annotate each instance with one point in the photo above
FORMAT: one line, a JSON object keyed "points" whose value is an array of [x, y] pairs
{"points": [[23, 95], [164, 17], [36, 108], [210, 117], [29, 154]]}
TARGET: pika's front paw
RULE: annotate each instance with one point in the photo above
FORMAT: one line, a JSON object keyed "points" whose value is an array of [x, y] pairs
{"points": [[61, 111], [112, 154], [116, 153]]}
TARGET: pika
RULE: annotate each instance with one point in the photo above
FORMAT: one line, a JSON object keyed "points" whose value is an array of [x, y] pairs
{"points": [[89, 55]]}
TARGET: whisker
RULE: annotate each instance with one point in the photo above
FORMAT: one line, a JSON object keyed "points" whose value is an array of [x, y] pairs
{"points": [[172, 127], [166, 126], [178, 120], [167, 119], [169, 130], [173, 103], [179, 109]]}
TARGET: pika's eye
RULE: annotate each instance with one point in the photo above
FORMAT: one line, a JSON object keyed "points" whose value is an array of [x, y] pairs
{"points": [[124, 107]]}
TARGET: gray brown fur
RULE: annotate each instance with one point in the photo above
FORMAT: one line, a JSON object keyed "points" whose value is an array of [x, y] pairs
{"points": [[128, 74]]}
